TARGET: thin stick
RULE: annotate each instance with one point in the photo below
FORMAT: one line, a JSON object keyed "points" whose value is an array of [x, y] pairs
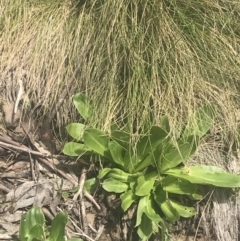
{"points": [[80, 195], [19, 95], [91, 199], [82, 233], [84, 218], [99, 233], [81, 185], [7, 139], [32, 167], [23, 149]]}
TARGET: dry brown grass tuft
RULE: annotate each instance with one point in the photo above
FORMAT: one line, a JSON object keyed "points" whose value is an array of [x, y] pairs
{"points": [[133, 59]]}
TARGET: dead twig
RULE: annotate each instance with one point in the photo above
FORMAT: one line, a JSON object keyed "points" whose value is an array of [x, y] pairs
{"points": [[3, 188], [32, 167], [99, 233], [79, 229], [22, 149], [19, 95], [9, 140], [48, 163], [80, 195], [91, 199], [84, 218], [81, 185]]}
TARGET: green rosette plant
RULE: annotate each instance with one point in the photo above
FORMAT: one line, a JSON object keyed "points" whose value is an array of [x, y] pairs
{"points": [[33, 227], [155, 172]]}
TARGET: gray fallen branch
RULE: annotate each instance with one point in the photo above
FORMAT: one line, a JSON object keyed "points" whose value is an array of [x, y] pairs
{"points": [[22, 149]]}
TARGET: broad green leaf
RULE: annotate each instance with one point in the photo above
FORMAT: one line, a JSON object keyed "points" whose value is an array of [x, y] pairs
{"points": [[201, 121], [155, 227], [74, 189], [169, 211], [183, 211], [102, 173], [127, 199], [112, 185], [75, 149], [141, 208], [33, 217], [91, 184], [117, 152], [76, 130], [151, 159], [148, 161], [75, 239], [118, 175], [145, 229], [57, 229], [165, 124], [65, 195], [178, 186], [130, 160], [97, 141], [145, 183], [160, 195], [174, 155], [196, 196], [150, 211], [122, 176], [120, 136], [164, 231], [150, 141], [36, 233], [83, 105], [208, 175]]}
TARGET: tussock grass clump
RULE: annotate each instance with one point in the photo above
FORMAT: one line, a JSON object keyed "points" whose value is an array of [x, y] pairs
{"points": [[136, 59]]}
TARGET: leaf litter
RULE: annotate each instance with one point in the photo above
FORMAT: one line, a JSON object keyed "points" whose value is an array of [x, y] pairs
{"points": [[30, 175]]}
